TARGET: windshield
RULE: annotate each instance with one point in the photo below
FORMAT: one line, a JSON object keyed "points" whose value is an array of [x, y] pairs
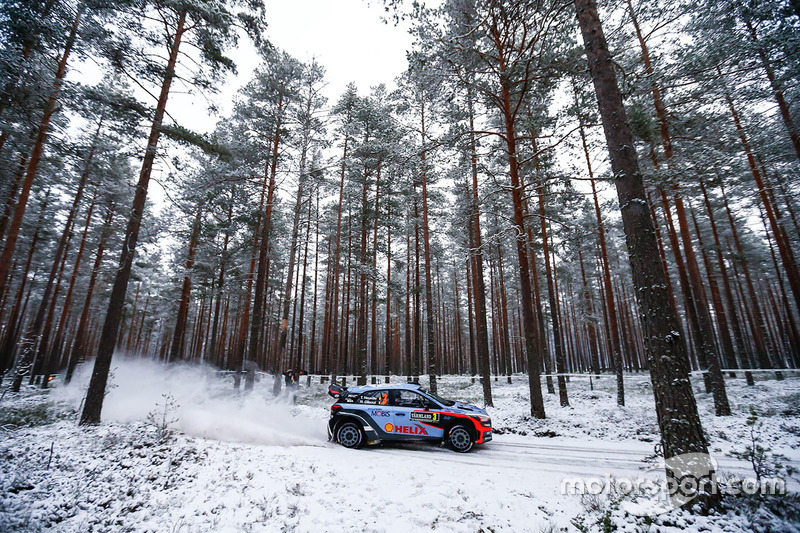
{"points": [[443, 401]]}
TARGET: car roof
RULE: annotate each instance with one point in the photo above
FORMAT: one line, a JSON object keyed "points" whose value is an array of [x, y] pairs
{"points": [[401, 386]]}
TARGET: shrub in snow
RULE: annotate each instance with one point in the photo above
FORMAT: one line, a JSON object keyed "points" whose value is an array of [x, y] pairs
{"points": [[163, 416]]}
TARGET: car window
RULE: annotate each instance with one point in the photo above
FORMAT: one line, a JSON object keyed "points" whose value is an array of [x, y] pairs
{"points": [[407, 398], [375, 397], [443, 401]]}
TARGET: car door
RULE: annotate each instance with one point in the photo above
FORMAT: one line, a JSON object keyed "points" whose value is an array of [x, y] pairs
{"points": [[376, 406], [412, 419]]}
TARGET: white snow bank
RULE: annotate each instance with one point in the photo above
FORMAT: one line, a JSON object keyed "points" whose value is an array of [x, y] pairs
{"points": [[204, 405]]}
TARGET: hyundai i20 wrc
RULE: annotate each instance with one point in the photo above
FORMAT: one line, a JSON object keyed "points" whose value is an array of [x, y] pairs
{"points": [[372, 415]]}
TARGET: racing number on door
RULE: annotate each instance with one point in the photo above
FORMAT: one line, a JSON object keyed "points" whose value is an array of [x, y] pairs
{"points": [[410, 417]]}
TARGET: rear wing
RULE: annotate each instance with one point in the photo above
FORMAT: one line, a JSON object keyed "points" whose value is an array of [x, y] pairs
{"points": [[337, 391]]}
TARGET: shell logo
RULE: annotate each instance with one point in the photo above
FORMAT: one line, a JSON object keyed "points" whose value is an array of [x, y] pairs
{"points": [[389, 428]]}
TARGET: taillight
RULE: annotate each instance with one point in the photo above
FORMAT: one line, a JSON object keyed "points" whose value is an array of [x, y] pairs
{"points": [[335, 408]]}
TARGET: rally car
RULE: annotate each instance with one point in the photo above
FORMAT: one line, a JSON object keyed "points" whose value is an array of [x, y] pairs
{"points": [[371, 415]]}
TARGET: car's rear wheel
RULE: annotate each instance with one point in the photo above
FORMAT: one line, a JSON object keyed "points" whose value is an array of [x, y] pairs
{"points": [[460, 439], [350, 435]]}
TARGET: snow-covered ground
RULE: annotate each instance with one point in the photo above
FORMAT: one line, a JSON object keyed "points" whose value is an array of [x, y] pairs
{"points": [[250, 462]]}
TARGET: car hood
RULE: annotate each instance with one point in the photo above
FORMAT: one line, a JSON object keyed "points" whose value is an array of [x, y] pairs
{"points": [[467, 408]]}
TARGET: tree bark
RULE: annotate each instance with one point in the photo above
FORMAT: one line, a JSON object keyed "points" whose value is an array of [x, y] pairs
{"points": [[777, 91], [262, 273], [333, 354], [14, 322], [176, 351], [287, 292], [433, 368], [535, 385], [97, 386], [80, 342], [55, 353], [34, 340], [476, 256], [676, 409], [33, 163], [213, 348], [738, 336], [551, 293], [784, 247]]}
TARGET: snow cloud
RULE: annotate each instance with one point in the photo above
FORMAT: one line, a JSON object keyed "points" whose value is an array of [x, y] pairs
{"points": [[206, 403]]}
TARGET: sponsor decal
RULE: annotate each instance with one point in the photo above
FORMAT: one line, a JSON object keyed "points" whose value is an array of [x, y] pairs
{"points": [[388, 428], [409, 430], [424, 417], [379, 412]]}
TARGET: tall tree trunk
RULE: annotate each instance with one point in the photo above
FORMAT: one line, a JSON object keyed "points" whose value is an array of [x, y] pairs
{"points": [[610, 310], [312, 349], [610, 307], [557, 340], [374, 298], [431, 334], [594, 356], [344, 352], [388, 355], [287, 292], [55, 353], [298, 363], [11, 200], [333, 355], [361, 302], [476, 255], [504, 314], [473, 364], [34, 341], [536, 299], [531, 343], [97, 386], [33, 166], [80, 344], [212, 348], [138, 347], [176, 350], [777, 91], [738, 336], [716, 300], [784, 247], [14, 322], [262, 273], [704, 332], [417, 327], [409, 297], [706, 329], [759, 329], [676, 409]]}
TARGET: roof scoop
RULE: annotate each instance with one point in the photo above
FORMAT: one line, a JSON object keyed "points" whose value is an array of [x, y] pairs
{"points": [[337, 391]]}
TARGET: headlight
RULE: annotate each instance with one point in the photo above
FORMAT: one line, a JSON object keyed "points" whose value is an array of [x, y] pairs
{"points": [[484, 420]]}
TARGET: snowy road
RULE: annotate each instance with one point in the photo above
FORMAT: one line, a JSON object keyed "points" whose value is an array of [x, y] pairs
{"points": [[567, 457]]}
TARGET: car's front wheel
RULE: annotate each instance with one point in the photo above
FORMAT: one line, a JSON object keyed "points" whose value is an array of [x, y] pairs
{"points": [[350, 435], [460, 439]]}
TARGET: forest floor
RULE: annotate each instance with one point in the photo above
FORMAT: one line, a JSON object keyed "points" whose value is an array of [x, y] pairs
{"points": [[180, 451]]}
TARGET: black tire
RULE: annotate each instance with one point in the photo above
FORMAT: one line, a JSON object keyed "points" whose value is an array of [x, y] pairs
{"points": [[350, 435], [460, 439]]}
